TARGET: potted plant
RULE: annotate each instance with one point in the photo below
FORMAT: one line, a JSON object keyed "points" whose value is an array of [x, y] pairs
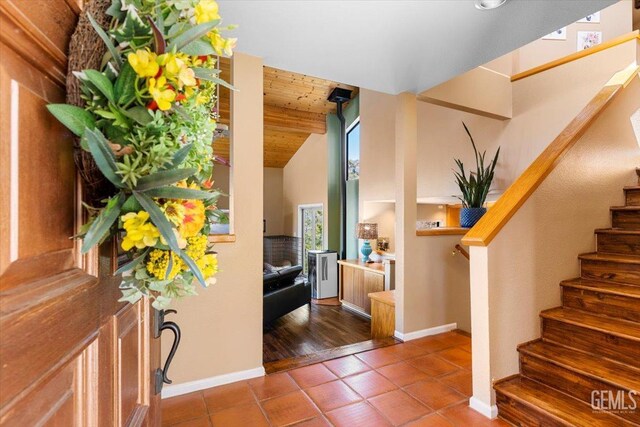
{"points": [[474, 187]]}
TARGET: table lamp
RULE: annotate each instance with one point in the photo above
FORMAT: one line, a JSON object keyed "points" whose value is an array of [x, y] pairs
{"points": [[366, 231]]}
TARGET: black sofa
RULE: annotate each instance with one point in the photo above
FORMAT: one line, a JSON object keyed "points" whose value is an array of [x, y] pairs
{"points": [[284, 291]]}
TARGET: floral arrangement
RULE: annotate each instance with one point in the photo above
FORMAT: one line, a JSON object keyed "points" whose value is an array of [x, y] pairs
{"points": [[148, 121]]}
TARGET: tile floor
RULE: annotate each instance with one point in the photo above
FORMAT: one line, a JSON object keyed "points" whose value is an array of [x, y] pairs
{"points": [[426, 382]]}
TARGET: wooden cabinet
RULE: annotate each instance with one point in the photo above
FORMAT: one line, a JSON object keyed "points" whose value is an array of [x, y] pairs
{"points": [[357, 281]]}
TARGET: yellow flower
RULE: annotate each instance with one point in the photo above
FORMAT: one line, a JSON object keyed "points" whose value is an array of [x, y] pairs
{"points": [[140, 233], [171, 64], [221, 45], [162, 94], [208, 265], [144, 63], [174, 212], [196, 246], [205, 11], [186, 77], [194, 218], [159, 261], [202, 98], [176, 69]]}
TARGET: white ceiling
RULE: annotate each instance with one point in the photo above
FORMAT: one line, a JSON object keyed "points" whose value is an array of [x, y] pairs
{"points": [[392, 46]]}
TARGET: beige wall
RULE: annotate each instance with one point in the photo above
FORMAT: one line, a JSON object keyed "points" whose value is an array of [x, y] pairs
{"points": [[481, 91], [222, 326], [615, 20], [305, 182], [539, 246], [273, 209]]}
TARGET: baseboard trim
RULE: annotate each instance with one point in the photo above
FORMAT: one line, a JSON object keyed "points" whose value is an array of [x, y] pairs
{"points": [[425, 332], [204, 383], [482, 408]]}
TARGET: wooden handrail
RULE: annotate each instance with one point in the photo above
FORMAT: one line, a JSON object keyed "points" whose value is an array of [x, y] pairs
{"points": [[581, 54], [459, 249], [515, 196]]}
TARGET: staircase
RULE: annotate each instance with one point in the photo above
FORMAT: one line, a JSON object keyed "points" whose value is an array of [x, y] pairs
{"points": [[590, 343]]}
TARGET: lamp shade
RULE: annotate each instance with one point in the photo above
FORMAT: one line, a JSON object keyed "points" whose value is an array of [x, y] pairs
{"points": [[367, 231]]}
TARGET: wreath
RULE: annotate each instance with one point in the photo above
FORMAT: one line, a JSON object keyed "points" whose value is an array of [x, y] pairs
{"points": [[141, 97]]}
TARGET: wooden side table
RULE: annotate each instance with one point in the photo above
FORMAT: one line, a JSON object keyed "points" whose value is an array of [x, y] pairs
{"points": [[383, 314]]}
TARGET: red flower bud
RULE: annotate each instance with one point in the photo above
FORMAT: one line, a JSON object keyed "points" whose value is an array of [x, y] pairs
{"points": [[159, 73], [203, 58], [152, 105], [180, 97]]}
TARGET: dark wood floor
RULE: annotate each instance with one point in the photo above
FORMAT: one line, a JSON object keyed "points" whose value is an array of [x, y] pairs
{"points": [[306, 331]]}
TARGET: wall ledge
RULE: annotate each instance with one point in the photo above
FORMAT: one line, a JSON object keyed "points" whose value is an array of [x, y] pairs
{"points": [[204, 383]]}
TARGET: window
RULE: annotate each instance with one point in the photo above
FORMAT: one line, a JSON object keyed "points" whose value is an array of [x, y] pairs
{"points": [[353, 151], [311, 220]]}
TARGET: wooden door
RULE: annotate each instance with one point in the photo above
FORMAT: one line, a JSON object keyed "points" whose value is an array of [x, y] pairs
{"points": [[70, 354]]}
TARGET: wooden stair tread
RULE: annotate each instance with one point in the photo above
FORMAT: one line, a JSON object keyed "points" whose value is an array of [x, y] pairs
{"points": [[566, 410], [617, 231], [614, 373], [609, 325], [625, 208], [603, 287], [595, 256], [632, 187]]}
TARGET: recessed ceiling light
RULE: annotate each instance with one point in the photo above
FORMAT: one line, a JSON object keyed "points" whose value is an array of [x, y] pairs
{"points": [[489, 4]]}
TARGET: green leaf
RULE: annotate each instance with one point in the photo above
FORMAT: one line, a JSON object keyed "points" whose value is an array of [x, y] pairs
{"points": [[165, 228], [131, 295], [139, 114], [115, 10], [101, 225], [103, 156], [211, 75], [131, 205], [76, 119], [192, 34], [125, 87], [198, 47], [105, 38], [132, 28], [171, 192], [102, 83], [180, 156], [162, 178], [133, 263]]}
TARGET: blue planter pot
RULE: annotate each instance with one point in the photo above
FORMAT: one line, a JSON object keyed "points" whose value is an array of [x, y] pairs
{"points": [[469, 216]]}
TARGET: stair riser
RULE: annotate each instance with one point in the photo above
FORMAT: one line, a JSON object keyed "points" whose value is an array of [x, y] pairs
{"points": [[610, 270], [626, 219], [523, 415], [594, 342], [632, 197], [569, 382], [625, 244], [601, 303]]}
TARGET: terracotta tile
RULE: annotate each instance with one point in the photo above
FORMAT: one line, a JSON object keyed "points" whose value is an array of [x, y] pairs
{"points": [[312, 375], [196, 422], [399, 407], [379, 357], [290, 408], [332, 395], [314, 422], [406, 350], [459, 381], [346, 366], [369, 384], [457, 356], [454, 338], [227, 396], [463, 415], [431, 344], [434, 394], [240, 416], [182, 408], [433, 420], [357, 415], [402, 373], [433, 365], [273, 385]]}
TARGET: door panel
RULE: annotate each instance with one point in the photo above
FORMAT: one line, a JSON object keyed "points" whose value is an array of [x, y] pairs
{"points": [[72, 355]]}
